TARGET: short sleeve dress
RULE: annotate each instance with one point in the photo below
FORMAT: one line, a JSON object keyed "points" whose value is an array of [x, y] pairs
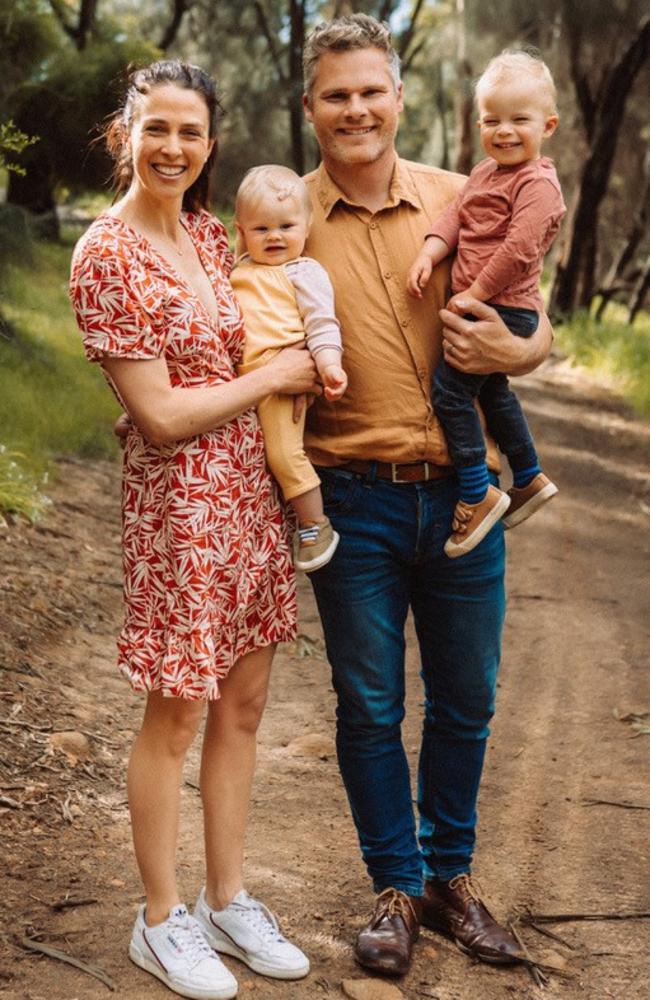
{"points": [[208, 575]]}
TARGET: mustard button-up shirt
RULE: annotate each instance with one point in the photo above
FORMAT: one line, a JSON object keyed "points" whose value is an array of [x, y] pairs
{"points": [[391, 341]]}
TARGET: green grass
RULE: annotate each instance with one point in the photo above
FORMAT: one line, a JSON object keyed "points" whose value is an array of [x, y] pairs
{"points": [[614, 350], [52, 401]]}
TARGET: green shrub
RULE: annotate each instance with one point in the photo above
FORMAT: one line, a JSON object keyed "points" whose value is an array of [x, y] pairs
{"points": [[614, 349], [51, 400]]}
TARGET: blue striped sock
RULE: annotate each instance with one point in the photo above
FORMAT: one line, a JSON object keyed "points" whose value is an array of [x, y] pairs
{"points": [[522, 477], [474, 482]]}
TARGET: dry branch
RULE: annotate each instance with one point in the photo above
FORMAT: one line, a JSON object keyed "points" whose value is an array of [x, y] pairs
{"points": [[65, 904], [611, 802], [525, 919], [46, 949], [539, 978], [565, 918]]}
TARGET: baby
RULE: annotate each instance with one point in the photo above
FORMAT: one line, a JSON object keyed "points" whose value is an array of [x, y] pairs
{"points": [[501, 226], [287, 299]]}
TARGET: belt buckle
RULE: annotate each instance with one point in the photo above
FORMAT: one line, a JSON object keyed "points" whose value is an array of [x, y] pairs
{"points": [[396, 479]]}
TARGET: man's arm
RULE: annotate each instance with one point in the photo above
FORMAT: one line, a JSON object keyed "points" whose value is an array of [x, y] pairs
{"points": [[486, 346]]}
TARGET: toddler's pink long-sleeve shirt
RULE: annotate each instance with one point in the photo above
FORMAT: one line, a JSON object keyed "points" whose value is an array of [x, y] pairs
{"points": [[502, 224]]}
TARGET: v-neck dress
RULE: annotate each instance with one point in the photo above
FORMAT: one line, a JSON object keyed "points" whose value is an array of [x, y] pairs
{"points": [[208, 575]]}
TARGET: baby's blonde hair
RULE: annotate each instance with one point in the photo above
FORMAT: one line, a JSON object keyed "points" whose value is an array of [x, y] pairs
{"points": [[270, 181], [513, 64]]}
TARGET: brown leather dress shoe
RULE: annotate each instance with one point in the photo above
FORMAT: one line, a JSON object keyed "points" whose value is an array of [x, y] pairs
{"points": [[385, 944], [456, 909]]}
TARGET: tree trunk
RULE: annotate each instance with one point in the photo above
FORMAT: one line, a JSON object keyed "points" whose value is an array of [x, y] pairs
{"points": [[441, 108], [181, 7], [464, 99], [82, 30], [296, 47], [615, 279], [640, 292], [574, 284]]}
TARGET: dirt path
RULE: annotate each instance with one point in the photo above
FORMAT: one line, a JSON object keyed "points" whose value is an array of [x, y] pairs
{"points": [[575, 651]]}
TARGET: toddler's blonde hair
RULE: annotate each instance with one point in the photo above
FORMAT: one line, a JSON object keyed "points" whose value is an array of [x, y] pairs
{"points": [[269, 182], [513, 64]]}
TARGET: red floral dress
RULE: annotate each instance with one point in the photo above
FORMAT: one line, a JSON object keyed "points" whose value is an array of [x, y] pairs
{"points": [[207, 565]]}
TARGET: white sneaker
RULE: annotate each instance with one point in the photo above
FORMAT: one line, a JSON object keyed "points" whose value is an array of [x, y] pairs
{"points": [[249, 932], [177, 953]]}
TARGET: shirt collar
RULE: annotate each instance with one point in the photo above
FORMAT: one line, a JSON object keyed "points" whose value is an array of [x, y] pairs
{"points": [[401, 189]]}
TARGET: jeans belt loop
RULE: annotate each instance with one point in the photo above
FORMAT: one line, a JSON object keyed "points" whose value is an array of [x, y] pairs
{"points": [[371, 475]]}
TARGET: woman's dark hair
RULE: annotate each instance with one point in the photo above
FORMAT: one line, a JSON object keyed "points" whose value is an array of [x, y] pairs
{"points": [[117, 132]]}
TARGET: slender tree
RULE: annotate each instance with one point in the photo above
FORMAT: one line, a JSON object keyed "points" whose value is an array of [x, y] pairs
{"points": [[603, 113], [81, 27], [170, 32]]}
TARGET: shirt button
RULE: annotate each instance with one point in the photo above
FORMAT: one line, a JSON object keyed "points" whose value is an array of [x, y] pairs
{"points": [[421, 373], [373, 225], [404, 322], [387, 274]]}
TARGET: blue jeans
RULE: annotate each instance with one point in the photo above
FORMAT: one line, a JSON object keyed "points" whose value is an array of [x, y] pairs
{"points": [[453, 393], [390, 558]]}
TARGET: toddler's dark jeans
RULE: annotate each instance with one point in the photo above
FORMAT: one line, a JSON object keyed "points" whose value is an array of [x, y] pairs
{"points": [[453, 396]]}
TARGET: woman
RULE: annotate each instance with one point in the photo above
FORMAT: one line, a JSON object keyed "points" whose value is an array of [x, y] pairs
{"points": [[209, 588]]}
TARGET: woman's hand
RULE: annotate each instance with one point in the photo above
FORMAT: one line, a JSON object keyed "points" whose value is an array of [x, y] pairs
{"points": [[293, 372], [487, 345]]}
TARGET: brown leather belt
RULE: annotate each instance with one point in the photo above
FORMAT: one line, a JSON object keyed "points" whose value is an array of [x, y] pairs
{"points": [[412, 472]]}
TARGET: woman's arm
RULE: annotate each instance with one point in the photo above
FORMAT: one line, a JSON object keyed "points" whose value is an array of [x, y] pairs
{"points": [[166, 413], [486, 346]]}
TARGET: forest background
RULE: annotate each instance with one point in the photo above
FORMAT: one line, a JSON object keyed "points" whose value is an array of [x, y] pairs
{"points": [[61, 70]]}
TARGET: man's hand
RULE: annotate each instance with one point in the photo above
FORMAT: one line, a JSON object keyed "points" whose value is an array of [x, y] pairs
{"points": [[121, 428], [335, 381], [300, 404], [487, 345], [453, 306]]}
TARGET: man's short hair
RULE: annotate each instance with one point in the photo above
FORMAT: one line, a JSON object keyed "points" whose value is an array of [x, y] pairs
{"points": [[357, 31], [515, 64]]}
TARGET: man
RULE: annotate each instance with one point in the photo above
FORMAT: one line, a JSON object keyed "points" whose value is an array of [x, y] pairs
{"points": [[390, 491]]}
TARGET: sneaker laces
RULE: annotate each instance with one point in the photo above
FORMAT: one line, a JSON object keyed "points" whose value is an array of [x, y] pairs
{"points": [[259, 918], [187, 933], [390, 903]]}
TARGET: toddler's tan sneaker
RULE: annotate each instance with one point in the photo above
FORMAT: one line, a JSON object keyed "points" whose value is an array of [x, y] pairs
{"points": [[472, 521], [527, 499], [315, 544]]}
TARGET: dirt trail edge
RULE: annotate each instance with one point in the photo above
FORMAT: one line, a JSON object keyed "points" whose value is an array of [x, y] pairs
{"points": [[565, 804]]}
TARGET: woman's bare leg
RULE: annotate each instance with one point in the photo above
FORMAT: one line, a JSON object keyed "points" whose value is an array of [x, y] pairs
{"points": [[227, 766], [154, 776]]}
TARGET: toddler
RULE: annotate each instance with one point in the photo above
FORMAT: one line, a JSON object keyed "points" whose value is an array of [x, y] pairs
{"points": [[501, 225], [287, 299]]}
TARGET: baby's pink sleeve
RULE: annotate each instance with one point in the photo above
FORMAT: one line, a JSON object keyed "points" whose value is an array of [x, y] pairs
{"points": [[315, 298]]}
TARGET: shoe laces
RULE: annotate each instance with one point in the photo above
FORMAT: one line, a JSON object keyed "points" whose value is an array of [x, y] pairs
{"points": [[260, 918], [189, 937], [391, 903], [465, 884]]}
